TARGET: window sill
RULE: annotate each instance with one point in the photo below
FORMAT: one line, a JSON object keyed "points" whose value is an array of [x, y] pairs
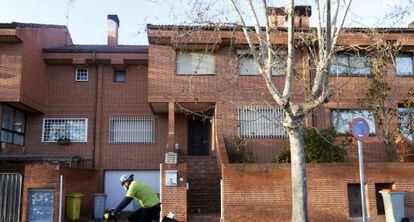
{"points": [[193, 74]]}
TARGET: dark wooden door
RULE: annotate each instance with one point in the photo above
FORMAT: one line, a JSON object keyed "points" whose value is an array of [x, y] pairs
{"points": [[198, 137]]}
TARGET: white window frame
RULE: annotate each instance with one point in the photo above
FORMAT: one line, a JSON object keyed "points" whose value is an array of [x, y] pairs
{"points": [[336, 112], [78, 73], [131, 137], [195, 65], [81, 141], [268, 128]]}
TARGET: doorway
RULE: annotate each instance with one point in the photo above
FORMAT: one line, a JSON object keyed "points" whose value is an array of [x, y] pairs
{"points": [[198, 137]]}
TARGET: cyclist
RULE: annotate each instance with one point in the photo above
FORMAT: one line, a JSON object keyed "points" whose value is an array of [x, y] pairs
{"points": [[150, 203]]}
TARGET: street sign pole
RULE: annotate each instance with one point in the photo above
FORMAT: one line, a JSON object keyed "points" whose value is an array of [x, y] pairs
{"points": [[362, 181], [360, 130]]}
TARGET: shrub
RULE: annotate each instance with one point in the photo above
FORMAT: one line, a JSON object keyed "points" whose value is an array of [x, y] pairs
{"points": [[240, 153], [320, 147]]}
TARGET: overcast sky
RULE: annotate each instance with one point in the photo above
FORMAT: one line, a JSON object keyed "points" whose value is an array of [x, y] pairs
{"points": [[87, 18]]}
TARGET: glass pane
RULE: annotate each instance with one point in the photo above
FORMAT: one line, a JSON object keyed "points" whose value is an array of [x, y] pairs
{"points": [[404, 65], [406, 119], [19, 121], [184, 63], [360, 65], [120, 77], [18, 139], [247, 66], [203, 63], [7, 119], [339, 65], [279, 66], [6, 136], [41, 205]]}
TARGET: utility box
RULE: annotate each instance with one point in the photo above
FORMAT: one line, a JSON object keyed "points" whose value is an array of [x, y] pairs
{"points": [[99, 205], [73, 203], [171, 178], [393, 205]]}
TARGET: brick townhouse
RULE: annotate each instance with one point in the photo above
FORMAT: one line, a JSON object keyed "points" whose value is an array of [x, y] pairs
{"points": [[93, 112]]}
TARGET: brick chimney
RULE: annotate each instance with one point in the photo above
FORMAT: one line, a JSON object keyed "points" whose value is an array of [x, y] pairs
{"points": [[302, 14], [112, 26], [277, 16]]}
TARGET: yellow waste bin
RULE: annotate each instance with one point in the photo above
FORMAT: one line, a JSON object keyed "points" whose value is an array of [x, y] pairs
{"points": [[73, 203]]}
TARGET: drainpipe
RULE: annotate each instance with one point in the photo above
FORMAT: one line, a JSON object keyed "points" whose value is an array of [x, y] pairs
{"points": [[96, 109], [161, 190], [221, 201], [60, 197]]}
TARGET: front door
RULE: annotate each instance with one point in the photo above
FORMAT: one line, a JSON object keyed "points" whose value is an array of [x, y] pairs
{"points": [[198, 137]]}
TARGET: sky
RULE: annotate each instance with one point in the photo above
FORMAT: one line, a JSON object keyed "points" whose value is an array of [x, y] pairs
{"points": [[86, 19]]}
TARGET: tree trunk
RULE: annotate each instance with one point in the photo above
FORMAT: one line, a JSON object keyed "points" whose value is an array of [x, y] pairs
{"points": [[298, 171]]}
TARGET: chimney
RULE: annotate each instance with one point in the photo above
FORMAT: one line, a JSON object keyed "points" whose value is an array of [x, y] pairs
{"points": [[277, 16], [302, 13], [112, 25]]}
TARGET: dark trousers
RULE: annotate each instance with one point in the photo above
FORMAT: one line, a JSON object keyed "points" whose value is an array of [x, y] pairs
{"points": [[146, 214]]}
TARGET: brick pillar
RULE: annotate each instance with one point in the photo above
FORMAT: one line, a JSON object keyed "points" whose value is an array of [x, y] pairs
{"points": [[174, 198], [171, 126], [1, 118]]}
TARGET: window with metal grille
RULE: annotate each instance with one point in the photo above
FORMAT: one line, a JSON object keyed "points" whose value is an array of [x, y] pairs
{"points": [[261, 122], [12, 128], [74, 129], [342, 118], [195, 63], [82, 74], [350, 64], [131, 130]]}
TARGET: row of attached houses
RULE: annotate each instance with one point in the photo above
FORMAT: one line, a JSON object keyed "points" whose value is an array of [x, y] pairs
{"points": [[76, 117]]}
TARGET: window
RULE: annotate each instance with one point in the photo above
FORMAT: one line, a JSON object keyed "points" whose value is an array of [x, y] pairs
{"points": [[81, 74], [119, 76], [378, 196], [131, 130], [341, 119], [406, 118], [261, 122], [74, 129], [404, 65], [12, 126], [354, 200], [196, 63], [350, 65], [247, 65]]}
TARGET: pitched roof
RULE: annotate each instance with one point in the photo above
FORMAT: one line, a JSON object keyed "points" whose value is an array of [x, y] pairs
{"points": [[14, 25], [100, 48]]}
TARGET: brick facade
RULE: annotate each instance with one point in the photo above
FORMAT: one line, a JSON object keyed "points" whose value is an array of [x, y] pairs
{"points": [[263, 192]]}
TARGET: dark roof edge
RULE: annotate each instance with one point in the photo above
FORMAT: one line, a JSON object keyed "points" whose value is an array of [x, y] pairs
{"points": [[14, 25], [227, 27], [98, 49]]}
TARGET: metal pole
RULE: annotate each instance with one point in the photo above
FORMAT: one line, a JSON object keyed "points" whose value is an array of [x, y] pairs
{"points": [[362, 181]]}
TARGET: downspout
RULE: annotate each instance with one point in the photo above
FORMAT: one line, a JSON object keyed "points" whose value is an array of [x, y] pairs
{"points": [[60, 197], [96, 109]]}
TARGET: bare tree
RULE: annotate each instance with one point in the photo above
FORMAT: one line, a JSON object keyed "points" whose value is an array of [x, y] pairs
{"points": [[329, 26]]}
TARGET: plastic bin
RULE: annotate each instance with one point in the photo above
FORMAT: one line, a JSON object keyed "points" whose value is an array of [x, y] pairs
{"points": [[73, 203], [99, 205]]}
